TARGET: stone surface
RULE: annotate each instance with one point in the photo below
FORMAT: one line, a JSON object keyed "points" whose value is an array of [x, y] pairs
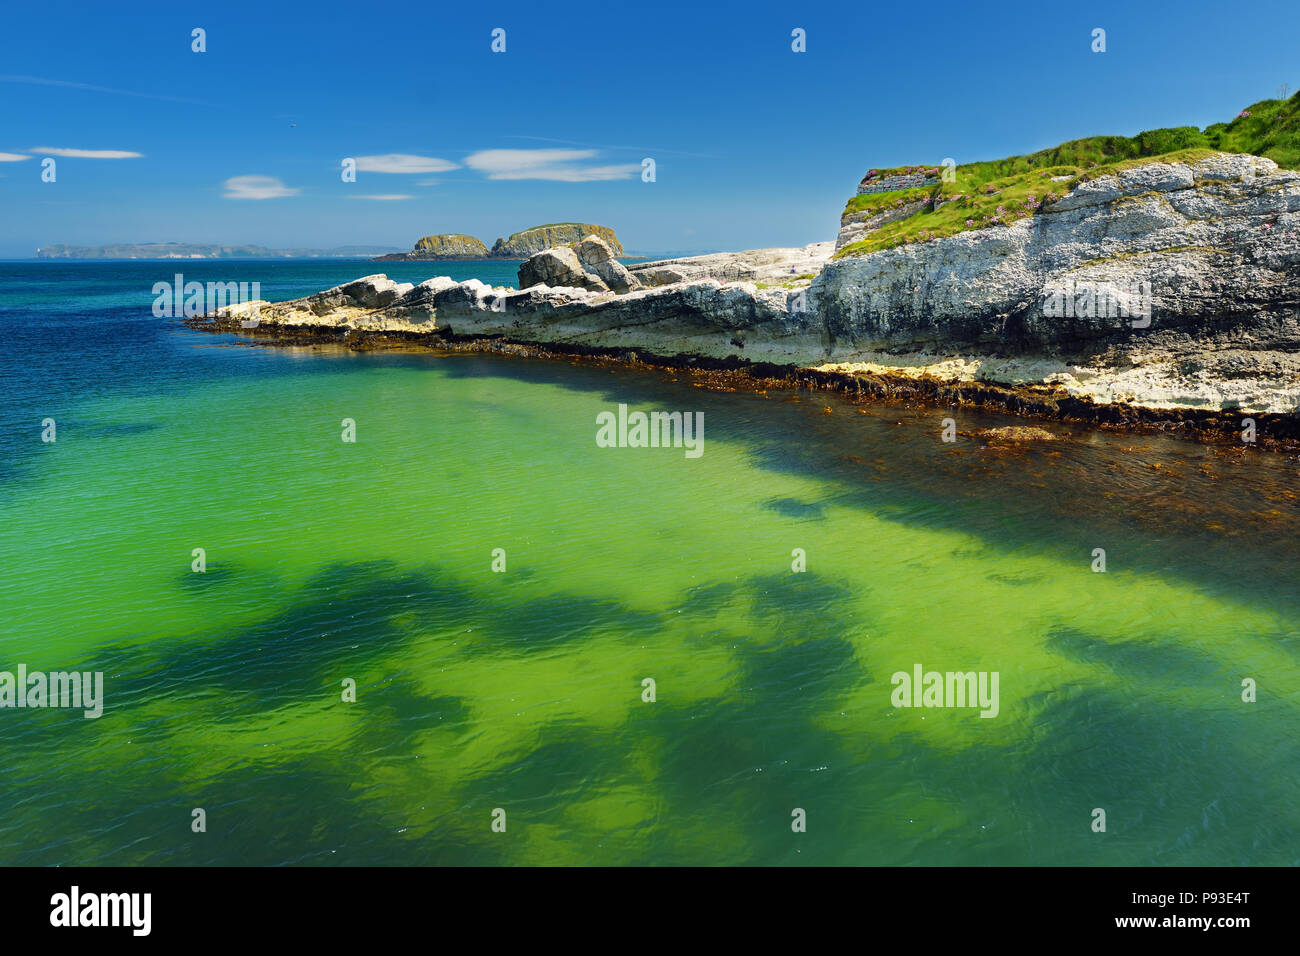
{"points": [[873, 183], [855, 225], [651, 275], [559, 267], [769, 266], [598, 258]]}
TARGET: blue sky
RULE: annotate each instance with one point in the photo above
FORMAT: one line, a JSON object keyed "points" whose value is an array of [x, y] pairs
{"points": [[754, 145]]}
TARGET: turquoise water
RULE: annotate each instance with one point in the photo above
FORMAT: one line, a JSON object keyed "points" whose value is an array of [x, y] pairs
{"points": [[522, 691]]}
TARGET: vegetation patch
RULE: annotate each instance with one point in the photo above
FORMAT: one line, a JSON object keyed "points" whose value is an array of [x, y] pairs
{"points": [[875, 203], [1002, 191]]}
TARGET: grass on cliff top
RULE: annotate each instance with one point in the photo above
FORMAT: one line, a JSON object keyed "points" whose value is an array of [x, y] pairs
{"points": [[553, 225], [906, 171], [970, 203], [425, 241], [873, 203], [1001, 191]]}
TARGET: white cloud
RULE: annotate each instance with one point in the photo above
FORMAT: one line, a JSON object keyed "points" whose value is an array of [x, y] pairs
{"points": [[87, 153], [256, 187], [12, 157], [561, 165], [404, 163], [387, 197]]}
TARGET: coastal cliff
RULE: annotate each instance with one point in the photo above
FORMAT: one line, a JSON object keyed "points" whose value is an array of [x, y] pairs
{"points": [[1166, 285]]}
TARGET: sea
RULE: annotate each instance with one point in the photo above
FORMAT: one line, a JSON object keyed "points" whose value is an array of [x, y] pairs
{"points": [[473, 635]]}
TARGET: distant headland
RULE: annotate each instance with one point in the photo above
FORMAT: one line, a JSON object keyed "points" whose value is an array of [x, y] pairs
{"points": [[201, 250], [520, 245]]}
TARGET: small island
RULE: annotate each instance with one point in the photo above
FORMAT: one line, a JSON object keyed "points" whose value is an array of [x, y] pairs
{"points": [[520, 245]]}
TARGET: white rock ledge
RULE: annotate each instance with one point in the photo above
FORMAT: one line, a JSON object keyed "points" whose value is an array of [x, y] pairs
{"points": [[1216, 242]]}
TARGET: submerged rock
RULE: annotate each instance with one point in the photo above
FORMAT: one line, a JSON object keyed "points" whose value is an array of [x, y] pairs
{"points": [[1014, 435]]}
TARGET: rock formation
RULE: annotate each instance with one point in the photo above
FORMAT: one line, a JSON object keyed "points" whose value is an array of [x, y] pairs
{"points": [[559, 268], [587, 264], [521, 245], [1168, 284]]}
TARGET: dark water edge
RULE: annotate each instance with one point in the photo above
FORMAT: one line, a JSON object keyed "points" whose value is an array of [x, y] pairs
{"points": [[1275, 431]]}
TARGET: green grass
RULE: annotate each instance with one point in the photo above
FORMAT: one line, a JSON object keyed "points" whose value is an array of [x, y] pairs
{"points": [[906, 171], [553, 225], [878, 202], [1000, 191]]}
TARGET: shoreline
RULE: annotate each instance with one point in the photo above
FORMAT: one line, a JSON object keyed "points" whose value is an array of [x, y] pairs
{"points": [[1158, 297], [1033, 402]]}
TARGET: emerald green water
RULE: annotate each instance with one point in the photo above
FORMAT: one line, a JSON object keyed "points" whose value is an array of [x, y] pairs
{"points": [[522, 690]]}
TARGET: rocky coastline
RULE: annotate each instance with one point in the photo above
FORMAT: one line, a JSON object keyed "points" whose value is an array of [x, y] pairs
{"points": [[1163, 294]]}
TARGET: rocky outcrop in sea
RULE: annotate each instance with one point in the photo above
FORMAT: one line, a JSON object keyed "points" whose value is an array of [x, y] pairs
{"points": [[521, 245], [445, 246]]}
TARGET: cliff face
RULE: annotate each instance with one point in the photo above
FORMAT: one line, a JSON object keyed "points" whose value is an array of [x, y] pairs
{"points": [[524, 244], [1166, 285], [1181, 249]]}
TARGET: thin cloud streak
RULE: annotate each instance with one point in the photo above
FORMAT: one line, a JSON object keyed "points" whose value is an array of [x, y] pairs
{"points": [[647, 150], [87, 153], [557, 165], [404, 163], [256, 187], [68, 84]]}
